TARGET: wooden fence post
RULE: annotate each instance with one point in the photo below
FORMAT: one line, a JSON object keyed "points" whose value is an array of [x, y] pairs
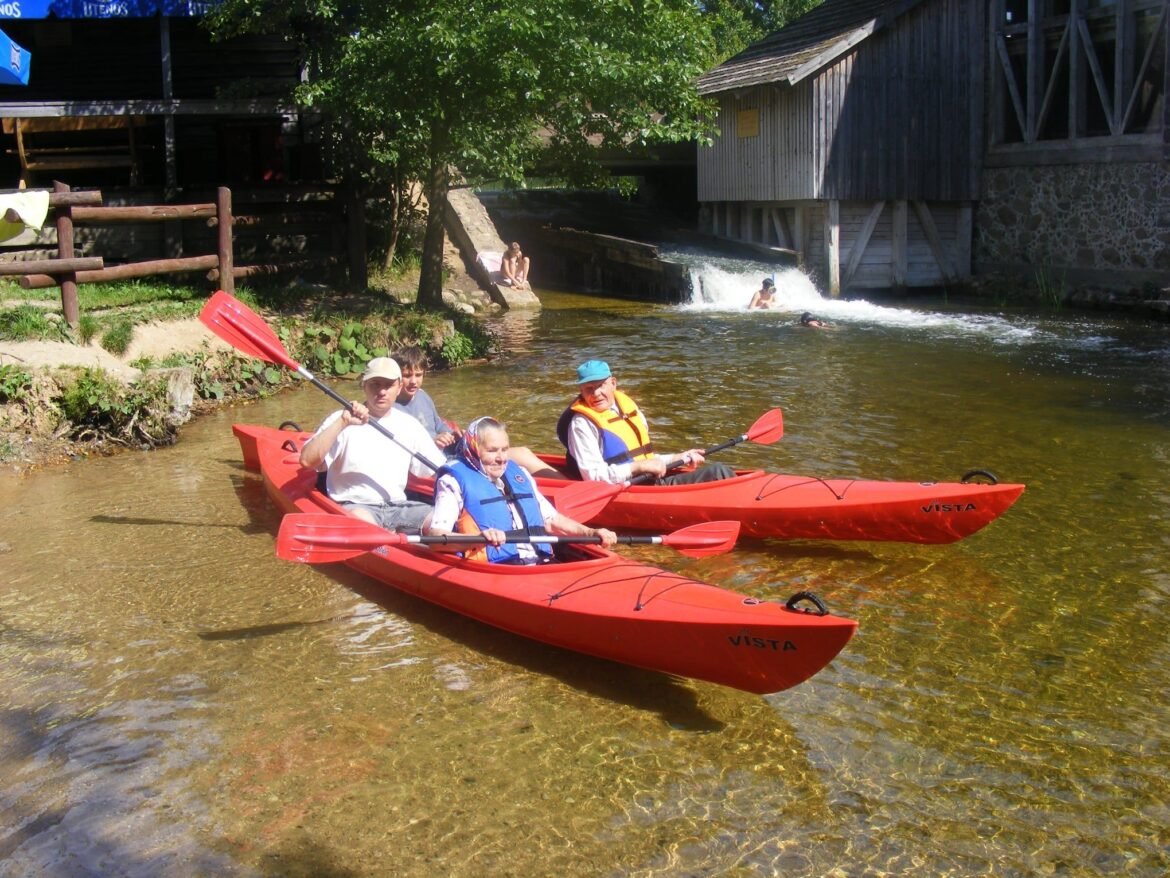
{"points": [[223, 214], [69, 303]]}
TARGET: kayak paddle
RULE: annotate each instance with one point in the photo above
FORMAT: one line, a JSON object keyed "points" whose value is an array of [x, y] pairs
{"points": [[584, 500], [768, 428], [246, 331], [322, 538]]}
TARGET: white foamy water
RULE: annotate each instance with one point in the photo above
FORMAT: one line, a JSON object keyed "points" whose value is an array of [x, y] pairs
{"points": [[726, 285]]}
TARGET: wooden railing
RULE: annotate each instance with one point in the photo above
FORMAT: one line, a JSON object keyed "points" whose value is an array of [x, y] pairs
{"points": [[68, 270]]}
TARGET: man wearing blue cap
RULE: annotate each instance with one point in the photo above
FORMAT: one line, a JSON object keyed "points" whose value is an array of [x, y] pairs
{"points": [[608, 439]]}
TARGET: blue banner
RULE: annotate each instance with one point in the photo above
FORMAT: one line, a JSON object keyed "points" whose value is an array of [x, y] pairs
{"points": [[14, 62], [103, 8]]}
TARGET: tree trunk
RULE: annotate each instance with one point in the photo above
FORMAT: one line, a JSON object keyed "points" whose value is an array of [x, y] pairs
{"points": [[430, 281]]}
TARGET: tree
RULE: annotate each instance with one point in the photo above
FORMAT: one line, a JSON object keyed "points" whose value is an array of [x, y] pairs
{"points": [[437, 89], [736, 24]]}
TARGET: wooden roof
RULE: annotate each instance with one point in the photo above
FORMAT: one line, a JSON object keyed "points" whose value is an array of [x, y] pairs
{"points": [[804, 46]]}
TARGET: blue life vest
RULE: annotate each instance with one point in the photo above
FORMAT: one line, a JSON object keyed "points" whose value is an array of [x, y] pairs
{"points": [[488, 507]]}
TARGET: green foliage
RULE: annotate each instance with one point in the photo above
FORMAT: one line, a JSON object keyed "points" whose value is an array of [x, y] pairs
{"points": [[1049, 286], [25, 322], [736, 24], [117, 338], [119, 294], [87, 328], [489, 87], [15, 383], [457, 349], [96, 404]]}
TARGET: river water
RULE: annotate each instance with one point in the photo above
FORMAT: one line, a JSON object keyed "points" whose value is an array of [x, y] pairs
{"points": [[178, 701]]}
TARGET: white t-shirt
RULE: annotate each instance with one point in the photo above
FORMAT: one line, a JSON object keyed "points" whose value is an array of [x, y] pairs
{"points": [[365, 467]]}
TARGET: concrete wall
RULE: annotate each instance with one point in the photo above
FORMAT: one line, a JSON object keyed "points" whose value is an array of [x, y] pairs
{"points": [[1102, 224]]}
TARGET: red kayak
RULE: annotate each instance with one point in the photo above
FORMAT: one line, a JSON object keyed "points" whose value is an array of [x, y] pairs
{"points": [[807, 507], [602, 604]]}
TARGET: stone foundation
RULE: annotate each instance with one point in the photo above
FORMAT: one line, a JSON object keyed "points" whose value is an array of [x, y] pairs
{"points": [[1104, 225]]}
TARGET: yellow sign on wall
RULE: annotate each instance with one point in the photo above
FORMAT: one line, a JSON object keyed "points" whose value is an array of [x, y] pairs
{"points": [[747, 123]]}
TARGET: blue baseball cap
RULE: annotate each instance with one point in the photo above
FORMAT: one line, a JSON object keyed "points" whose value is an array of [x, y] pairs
{"points": [[593, 370]]}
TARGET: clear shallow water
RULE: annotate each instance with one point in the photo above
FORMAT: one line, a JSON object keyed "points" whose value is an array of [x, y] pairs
{"points": [[178, 701]]}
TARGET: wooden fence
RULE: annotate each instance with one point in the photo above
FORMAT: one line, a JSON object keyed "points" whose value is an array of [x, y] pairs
{"points": [[68, 270]]}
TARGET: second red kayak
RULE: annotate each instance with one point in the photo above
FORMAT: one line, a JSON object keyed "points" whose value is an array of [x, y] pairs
{"points": [[808, 507]]}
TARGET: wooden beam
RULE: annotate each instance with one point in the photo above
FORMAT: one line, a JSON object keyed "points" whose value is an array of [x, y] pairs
{"points": [[1076, 73], [1135, 92], [833, 246], [138, 214], [52, 266], [1050, 90], [1034, 74], [934, 239], [224, 255], [858, 247], [964, 235], [1095, 68], [899, 247], [124, 272], [1009, 77]]}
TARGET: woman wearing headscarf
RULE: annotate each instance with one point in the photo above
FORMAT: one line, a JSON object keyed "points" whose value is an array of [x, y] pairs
{"points": [[482, 491]]}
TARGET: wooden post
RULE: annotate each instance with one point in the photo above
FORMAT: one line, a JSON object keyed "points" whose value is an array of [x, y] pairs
{"points": [[899, 263], [964, 232], [223, 216], [833, 246], [69, 304]]}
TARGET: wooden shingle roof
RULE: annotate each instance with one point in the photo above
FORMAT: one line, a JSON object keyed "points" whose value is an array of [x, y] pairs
{"points": [[804, 46]]}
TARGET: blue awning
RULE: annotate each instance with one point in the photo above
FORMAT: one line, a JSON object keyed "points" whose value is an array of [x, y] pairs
{"points": [[103, 8], [14, 61]]}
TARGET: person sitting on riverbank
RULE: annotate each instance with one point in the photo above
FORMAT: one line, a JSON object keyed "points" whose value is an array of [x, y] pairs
{"points": [[364, 470], [417, 403], [763, 297], [514, 267], [608, 437], [483, 491]]}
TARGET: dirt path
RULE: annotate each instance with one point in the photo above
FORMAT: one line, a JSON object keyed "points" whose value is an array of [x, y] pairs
{"points": [[154, 340]]}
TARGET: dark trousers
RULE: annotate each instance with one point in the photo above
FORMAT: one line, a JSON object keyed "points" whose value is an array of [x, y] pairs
{"points": [[708, 472]]}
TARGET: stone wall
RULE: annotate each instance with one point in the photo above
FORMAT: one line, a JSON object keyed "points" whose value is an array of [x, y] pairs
{"points": [[1091, 224]]}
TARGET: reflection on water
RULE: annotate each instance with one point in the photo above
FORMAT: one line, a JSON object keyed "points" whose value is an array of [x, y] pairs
{"points": [[178, 701]]}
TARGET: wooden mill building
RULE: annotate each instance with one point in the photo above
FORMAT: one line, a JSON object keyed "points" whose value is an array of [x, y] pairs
{"points": [[910, 143]]}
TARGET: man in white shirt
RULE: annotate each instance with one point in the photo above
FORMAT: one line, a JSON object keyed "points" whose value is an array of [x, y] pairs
{"points": [[365, 471]]}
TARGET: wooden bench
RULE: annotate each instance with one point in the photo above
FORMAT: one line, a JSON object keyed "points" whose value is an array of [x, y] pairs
{"points": [[55, 143]]}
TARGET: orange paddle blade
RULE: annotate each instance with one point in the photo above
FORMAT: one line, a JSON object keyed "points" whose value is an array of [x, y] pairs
{"points": [[322, 538], [244, 329], [701, 540], [768, 428], [582, 501]]}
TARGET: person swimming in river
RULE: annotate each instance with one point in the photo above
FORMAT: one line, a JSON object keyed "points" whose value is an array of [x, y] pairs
{"points": [[764, 296], [806, 319]]}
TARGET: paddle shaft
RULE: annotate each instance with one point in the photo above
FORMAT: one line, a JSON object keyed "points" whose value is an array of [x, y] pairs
{"points": [[348, 406], [518, 537], [768, 428], [680, 463]]}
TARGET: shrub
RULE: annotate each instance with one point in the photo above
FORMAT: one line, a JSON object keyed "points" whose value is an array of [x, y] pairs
{"points": [[87, 328], [117, 338], [15, 383]]}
